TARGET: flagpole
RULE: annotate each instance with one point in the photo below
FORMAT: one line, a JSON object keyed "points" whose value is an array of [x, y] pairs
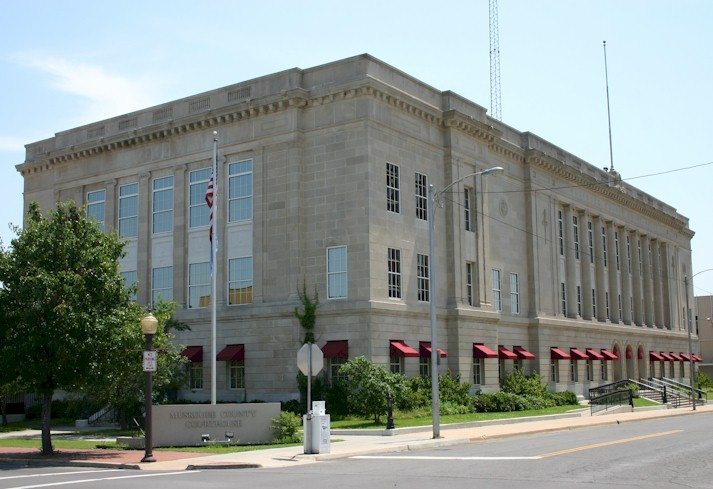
{"points": [[214, 272]]}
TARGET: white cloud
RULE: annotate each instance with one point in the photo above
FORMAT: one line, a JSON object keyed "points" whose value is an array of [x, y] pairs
{"points": [[106, 94]]}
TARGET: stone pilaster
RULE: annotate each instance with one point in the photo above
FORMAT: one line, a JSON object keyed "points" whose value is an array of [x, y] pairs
{"points": [[614, 291]]}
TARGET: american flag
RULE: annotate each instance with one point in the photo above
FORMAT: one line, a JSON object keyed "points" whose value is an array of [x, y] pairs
{"points": [[209, 201]]}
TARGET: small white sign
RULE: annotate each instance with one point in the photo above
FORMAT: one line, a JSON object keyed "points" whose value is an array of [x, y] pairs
{"points": [[150, 361]]}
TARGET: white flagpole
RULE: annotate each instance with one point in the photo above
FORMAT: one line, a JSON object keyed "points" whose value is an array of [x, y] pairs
{"points": [[214, 272]]}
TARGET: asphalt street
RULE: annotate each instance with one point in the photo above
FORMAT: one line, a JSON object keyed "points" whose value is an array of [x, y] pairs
{"points": [[661, 453]]}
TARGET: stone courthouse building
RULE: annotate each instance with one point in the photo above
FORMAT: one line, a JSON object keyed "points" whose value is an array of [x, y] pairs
{"points": [[554, 266]]}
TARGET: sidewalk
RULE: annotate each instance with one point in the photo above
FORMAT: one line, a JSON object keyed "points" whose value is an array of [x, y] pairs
{"points": [[342, 446]]}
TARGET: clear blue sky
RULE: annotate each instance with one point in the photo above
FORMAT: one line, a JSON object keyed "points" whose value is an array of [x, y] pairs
{"points": [[68, 63]]}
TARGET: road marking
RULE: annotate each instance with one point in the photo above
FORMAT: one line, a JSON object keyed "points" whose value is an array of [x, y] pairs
{"points": [[609, 443], [536, 457], [59, 473], [407, 457], [82, 481]]}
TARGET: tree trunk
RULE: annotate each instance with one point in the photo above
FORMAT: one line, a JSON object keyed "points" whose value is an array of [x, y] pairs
{"points": [[3, 410], [47, 423]]}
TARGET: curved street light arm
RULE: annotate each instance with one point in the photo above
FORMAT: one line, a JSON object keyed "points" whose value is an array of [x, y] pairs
{"points": [[489, 171]]}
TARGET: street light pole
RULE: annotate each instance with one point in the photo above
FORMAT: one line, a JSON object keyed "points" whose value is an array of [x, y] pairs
{"points": [[149, 325], [692, 364], [433, 197]]}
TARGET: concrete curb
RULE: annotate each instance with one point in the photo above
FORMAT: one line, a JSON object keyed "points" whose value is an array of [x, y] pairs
{"points": [[29, 462], [227, 465]]}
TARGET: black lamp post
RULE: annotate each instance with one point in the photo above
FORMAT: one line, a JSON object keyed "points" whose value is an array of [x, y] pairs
{"points": [[149, 324]]}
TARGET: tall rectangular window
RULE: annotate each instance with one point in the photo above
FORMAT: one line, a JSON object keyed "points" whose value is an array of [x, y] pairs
{"points": [[162, 205], [96, 207], [393, 199], [616, 249], [641, 259], [573, 373], [337, 272], [604, 244], [590, 236], [161, 284], [563, 298], [469, 283], [422, 276], [240, 280], [621, 313], [195, 375], [514, 294], [628, 253], [478, 371], [130, 279], [236, 374], [129, 210], [467, 205], [575, 226], [396, 364], [497, 303], [424, 366], [560, 232], [579, 301], [594, 303], [240, 191], [198, 212], [605, 372], [394, 272], [421, 191], [590, 370], [606, 302], [555, 370], [198, 285]]}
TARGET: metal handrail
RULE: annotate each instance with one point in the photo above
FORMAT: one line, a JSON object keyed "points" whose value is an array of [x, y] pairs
{"points": [[610, 399], [685, 387]]}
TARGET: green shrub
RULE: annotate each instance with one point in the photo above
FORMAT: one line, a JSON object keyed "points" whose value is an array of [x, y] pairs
{"points": [[447, 408], [286, 427], [518, 383], [336, 398], [566, 398], [452, 390], [634, 389], [703, 381], [500, 402], [368, 385], [294, 406]]}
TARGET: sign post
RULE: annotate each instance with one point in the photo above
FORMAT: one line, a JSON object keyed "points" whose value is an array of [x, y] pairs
{"points": [[310, 361]]}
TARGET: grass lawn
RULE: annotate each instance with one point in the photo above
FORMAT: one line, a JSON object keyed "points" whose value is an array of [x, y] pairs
{"points": [[404, 420], [34, 424], [641, 402], [89, 445]]}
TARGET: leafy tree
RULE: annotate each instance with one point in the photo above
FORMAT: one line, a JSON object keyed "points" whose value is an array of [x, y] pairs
{"points": [[64, 302], [368, 385], [119, 381], [308, 316]]}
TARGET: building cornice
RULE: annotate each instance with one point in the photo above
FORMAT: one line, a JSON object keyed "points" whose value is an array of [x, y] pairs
{"points": [[609, 188]]}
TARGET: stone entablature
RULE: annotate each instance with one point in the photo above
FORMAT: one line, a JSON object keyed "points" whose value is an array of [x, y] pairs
{"points": [[258, 97]]}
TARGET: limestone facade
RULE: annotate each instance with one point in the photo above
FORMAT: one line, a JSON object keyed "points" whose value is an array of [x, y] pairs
{"points": [[322, 179]]}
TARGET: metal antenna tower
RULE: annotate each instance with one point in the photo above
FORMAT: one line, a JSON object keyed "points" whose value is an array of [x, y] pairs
{"points": [[495, 110]]}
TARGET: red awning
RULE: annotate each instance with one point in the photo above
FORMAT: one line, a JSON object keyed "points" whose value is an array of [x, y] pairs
{"points": [[697, 358], [557, 354], [676, 356], [666, 356], [194, 354], [505, 353], [401, 349], [523, 354], [577, 354], [655, 357], [482, 351], [425, 349], [594, 354], [232, 353], [685, 357], [336, 349], [609, 355]]}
